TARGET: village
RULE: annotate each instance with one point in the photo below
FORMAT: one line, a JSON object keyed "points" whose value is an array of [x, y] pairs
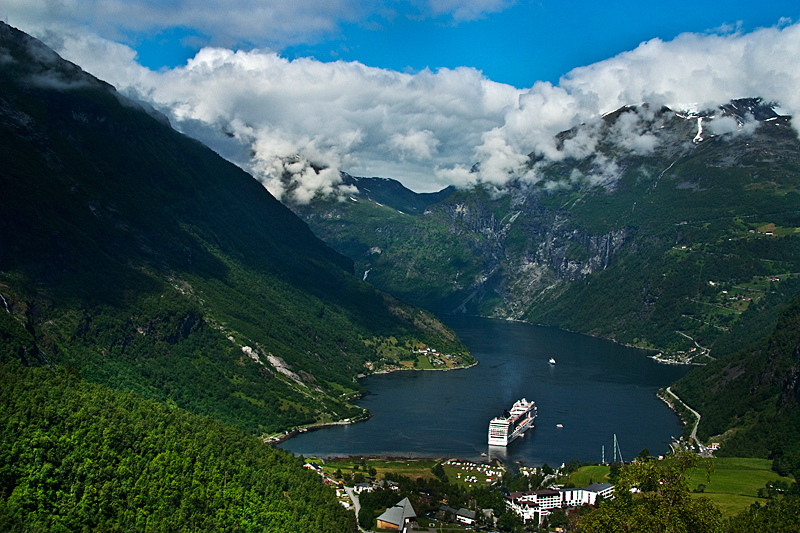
{"points": [[354, 478], [395, 357]]}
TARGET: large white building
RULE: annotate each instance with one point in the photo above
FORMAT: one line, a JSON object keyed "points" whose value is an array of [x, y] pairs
{"points": [[540, 503], [587, 495]]}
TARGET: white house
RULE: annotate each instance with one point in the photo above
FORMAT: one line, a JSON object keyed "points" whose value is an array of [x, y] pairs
{"points": [[575, 497], [529, 505], [465, 516], [358, 488]]}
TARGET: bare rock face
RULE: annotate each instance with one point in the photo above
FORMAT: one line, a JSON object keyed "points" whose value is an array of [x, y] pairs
{"points": [[281, 367]]}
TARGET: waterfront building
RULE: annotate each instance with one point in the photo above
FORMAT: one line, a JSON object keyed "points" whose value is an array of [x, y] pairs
{"points": [[465, 516]]}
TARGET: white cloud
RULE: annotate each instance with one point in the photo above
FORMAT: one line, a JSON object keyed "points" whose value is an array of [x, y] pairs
{"points": [[367, 121], [273, 23], [725, 124], [696, 71], [632, 131], [428, 129], [415, 145], [467, 10]]}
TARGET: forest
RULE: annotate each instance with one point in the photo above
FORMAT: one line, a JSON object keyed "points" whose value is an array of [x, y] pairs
{"points": [[75, 456]]}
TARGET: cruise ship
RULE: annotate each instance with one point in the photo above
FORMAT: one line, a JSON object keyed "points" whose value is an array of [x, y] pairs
{"points": [[504, 429]]}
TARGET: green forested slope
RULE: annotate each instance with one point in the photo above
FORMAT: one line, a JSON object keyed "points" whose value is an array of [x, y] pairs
{"points": [[81, 457], [753, 396], [147, 262]]}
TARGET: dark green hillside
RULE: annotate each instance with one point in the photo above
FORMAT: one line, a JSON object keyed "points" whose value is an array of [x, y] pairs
{"points": [[393, 194], [142, 259], [703, 229], [753, 396], [82, 457], [425, 259]]}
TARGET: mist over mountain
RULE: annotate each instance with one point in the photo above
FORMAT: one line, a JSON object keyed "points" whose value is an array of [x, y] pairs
{"points": [[304, 120]]}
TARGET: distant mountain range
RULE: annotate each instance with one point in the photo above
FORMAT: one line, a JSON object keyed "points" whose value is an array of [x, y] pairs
{"points": [[698, 224], [669, 230], [141, 259]]}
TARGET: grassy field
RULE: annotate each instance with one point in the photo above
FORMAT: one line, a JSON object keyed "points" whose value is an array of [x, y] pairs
{"points": [[408, 467], [586, 475], [735, 482], [733, 487]]}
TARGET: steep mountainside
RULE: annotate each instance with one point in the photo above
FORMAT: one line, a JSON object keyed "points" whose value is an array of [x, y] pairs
{"points": [[751, 399], [663, 229], [145, 261]]}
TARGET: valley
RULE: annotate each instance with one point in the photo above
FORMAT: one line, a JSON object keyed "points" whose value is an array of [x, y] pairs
{"points": [[668, 254], [120, 257], [165, 318]]}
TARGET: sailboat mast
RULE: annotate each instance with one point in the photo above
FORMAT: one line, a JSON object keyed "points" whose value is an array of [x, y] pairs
{"points": [[616, 449]]}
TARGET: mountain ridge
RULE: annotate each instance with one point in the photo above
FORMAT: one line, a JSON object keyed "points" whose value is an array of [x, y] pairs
{"points": [[144, 260], [676, 232], [638, 179]]}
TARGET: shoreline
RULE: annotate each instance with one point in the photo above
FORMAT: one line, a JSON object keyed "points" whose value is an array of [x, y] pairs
{"points": [[404, 369], [495, 461], [656, 356], [697, 416], [272, 440]]}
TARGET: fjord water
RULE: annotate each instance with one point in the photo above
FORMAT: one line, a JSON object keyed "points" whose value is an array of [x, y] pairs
{"points": [[596, 389]]}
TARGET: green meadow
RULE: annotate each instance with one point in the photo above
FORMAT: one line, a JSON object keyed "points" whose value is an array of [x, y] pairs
{"points": [[412, 468], [586, 475], [733, 485], [735, 482]]}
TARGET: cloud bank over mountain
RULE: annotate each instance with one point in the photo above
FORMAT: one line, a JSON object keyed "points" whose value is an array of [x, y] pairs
{"points": [[286, 120], [691, 72]]}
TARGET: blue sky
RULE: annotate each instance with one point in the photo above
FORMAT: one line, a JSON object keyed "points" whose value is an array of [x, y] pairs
{"points": [[418, 90], [522, 44]]}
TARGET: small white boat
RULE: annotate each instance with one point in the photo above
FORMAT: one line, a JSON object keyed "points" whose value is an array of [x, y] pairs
{"points": [[559, 425], [552, 361]]}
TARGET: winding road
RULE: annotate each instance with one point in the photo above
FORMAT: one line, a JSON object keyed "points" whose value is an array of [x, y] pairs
{"points": [[356, 505], [695, 413]]}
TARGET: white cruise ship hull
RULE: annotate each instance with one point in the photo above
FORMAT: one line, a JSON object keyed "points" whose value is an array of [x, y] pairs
{"points": [[504, 430]]}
